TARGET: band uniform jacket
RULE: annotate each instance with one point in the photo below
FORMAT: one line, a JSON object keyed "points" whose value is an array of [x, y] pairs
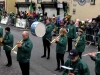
{"points": [[48, 34], [99, 38], [8, 41], [71, 31], [97, 62], [24, 52], [79, 67], [1, 32], [81, 43], [61, 45]]}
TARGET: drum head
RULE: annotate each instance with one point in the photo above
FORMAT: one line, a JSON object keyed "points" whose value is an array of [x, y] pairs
{"points": [[40, 29]]}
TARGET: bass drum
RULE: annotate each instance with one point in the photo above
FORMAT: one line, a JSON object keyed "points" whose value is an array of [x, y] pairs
{"points": [[38, 29]]}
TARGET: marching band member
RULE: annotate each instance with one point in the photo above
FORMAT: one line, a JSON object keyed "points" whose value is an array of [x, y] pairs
{"points": [[80, 42], [46, 37], [8, 40], [61, 48], [71, 34], [78, 65], [98, 41], [1, 36], [96, 58], [24, 53]]}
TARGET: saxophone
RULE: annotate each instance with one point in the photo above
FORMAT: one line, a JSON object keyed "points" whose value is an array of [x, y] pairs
{"points": [[77, 41]]}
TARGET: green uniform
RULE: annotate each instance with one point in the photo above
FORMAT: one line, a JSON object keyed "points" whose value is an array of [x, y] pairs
{"points": [[8, 41], [71, 31], [24, 52], [81, 43], [61, 45], [53, 24], [48, 34], [1, 32], [98, 37], [79, 67], [97, 62]]}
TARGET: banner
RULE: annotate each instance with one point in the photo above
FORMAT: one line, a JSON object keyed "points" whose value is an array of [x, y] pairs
{"points": [[21, 23], [4, 20]]}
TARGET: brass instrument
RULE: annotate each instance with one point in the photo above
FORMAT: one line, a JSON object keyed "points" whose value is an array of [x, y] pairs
{"points": [[16, 46], [1, 40], [54, 39], [78, 38]]}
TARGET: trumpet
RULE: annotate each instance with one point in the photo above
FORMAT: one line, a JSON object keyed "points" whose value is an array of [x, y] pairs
{"points": [[16, 46], [54, 39], [77, 41]]}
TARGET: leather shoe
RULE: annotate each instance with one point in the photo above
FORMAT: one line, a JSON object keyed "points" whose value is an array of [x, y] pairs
{"points": [[43, 56], [8, 65], [57, 69], [48, 57]]}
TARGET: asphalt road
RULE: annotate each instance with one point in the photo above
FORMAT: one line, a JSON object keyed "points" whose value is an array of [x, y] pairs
{"points": [[38, 65]]}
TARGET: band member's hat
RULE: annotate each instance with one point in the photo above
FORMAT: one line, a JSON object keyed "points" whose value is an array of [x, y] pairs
{"points": [[73, 53]]}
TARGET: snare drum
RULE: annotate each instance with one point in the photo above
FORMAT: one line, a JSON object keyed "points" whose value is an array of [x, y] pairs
{"points": [[38, 29]]}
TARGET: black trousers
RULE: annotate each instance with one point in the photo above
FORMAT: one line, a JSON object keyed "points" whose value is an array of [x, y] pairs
{"points": [[98, 47], [46, 45], [69, 44], [8, 55], [59, 58], [97, 74], [24, 68], [80, 54]]}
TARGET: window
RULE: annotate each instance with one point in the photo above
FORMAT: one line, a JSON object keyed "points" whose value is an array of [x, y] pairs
{"points": [[26, 0], [39, 1], [54, 0], [92, 2]]}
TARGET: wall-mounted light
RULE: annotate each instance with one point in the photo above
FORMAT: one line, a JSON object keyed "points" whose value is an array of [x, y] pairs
{"points": [[92, 2], [74, 11]]}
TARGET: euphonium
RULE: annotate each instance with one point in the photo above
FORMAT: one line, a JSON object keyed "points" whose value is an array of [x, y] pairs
{"points": [[54, 39], [78, 38], [16, 45]]}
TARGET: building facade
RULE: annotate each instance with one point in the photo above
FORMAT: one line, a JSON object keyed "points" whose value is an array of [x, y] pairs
{"points": [[78, 10]]}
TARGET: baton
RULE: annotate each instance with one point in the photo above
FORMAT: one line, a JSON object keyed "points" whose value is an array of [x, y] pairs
{"points": [[88, 54]]}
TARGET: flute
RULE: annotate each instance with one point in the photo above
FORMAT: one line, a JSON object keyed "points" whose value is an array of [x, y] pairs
{"points": [[88, 54]]}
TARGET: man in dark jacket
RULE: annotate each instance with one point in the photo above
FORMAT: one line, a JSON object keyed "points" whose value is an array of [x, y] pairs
{"points": [[79, 67], [47, 37], [8, 41], [24, 53]]}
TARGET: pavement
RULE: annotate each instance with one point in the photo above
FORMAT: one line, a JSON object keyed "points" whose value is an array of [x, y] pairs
{"points": [[38, 65]]}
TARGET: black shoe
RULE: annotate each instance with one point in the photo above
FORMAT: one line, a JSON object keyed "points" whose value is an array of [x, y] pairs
{"points": [[9, 65], [67, 51], [57, 69], [43, 56], [60, 70], [48, 57]]}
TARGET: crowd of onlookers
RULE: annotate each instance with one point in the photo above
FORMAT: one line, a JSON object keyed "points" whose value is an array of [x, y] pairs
{"points": [[90, 27]]}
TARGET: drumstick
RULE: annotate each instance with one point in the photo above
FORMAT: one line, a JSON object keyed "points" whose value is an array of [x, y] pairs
{"points": [[88, 54]]}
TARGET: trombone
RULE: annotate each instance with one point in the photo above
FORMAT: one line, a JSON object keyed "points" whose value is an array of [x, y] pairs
{"points": [[16, 45], [55, 39]]}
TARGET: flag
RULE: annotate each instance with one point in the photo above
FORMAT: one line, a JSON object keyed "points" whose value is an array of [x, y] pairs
{"points": [[30, 9]]}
